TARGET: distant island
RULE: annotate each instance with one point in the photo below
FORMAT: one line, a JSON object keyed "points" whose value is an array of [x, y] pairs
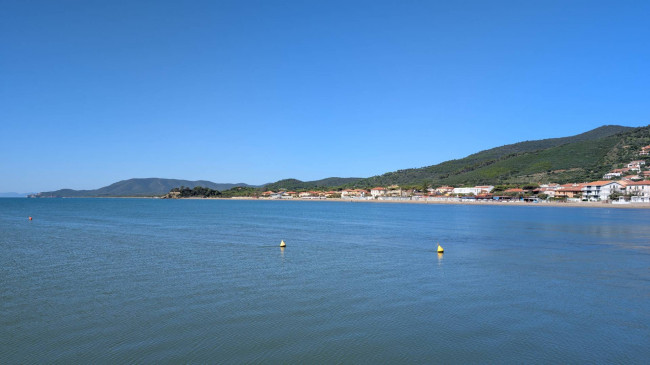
{"points": [[523, 170], [135, 188]]}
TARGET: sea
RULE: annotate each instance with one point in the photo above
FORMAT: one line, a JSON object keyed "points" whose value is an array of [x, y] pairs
{"points": [[109, 281]]}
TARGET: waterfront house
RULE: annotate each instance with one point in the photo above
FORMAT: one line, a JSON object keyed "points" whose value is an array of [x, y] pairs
{"points": [[396, 192], [361, 193], [476, 190], [444, 190], [378, 191], [354, 193], [600, 190], [484, 188], [550, 192], [347, 193], [638, 188], [570, 191]]}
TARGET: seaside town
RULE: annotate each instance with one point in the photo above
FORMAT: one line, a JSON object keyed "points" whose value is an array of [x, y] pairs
{"points": [[627, 185]]}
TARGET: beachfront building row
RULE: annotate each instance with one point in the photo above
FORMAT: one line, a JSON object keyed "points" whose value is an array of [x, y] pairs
{"points": [[592, 191]]}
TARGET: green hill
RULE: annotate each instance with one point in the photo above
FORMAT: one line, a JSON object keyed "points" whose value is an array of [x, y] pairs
{"points": [[586, 156], [294, 184], [136, 187]]}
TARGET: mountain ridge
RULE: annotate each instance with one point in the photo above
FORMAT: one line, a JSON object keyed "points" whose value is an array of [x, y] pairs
{"points": [[574, 158], [451, 171], [137, 187]]}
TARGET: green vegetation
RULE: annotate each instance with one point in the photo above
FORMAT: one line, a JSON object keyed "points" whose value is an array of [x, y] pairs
{"points": [[324, 184], [579, 158], [241, 191], [203, 192], [196, 192]]}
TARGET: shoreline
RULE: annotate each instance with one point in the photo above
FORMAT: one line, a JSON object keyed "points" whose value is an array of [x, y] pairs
{"points": [[476, 203], [425, 202]]}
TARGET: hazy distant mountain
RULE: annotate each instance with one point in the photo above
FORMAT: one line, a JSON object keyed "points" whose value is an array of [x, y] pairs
{"points": [[136, 187], [14, 195]]}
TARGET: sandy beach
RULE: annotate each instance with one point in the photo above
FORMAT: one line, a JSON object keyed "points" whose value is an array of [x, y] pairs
{"points": [[476, 203]]}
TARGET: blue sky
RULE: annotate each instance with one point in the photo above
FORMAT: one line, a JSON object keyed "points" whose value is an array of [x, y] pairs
{"points": [[92, 92]]}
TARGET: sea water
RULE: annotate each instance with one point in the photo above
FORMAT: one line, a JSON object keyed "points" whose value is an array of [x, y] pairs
{"points": [[205, 281]]}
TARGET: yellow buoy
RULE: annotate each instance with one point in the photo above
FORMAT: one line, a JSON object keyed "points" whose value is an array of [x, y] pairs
{"points": [[440, 250], [282, 244]]}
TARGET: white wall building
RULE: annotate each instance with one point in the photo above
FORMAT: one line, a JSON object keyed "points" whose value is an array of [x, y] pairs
{"points": [[611, 175], [600, 190], [475, 190], [639, 188], [379, 191], [636, 165]]}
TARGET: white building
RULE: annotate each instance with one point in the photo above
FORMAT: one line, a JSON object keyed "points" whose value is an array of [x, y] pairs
{"points": [[600, 190], [611, 175], [639, 188], [475, 190], [379, 191], [636, 165], [350, 193]]}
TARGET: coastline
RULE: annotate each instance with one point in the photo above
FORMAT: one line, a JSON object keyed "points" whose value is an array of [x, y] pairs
{"points": [[425, 202], [475, 203]]}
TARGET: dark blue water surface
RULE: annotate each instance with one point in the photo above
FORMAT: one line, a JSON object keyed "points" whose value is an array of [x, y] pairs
{"points": [[169, 281]]}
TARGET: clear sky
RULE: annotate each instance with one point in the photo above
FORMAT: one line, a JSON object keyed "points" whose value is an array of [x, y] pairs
{"points": [[92, 92]]}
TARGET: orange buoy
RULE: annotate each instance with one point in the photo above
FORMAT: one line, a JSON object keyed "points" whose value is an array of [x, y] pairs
{"points": [[30, 218]]}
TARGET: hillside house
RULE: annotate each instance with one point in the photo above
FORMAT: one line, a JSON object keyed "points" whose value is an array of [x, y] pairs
{"points": [[612, 174], [550, 186], [645, 151], [636, 165]]}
